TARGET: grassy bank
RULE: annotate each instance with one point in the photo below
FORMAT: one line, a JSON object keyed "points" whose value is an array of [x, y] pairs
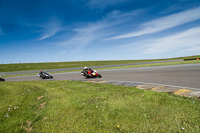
{"points": [[130, 66], [156, 64], [64, 106], [58, 65]]}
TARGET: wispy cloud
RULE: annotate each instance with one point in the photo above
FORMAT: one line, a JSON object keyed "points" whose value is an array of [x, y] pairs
{"points": [[97, 31], [83, 37], [50, 29], [163, 23], [182, 42]]}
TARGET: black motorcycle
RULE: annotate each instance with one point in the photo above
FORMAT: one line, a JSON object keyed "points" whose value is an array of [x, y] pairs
{"points": [[45, 75], [1, 79]]}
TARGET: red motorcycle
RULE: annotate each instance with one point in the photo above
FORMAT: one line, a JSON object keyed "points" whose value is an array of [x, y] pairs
{"points": [[91, 74]]}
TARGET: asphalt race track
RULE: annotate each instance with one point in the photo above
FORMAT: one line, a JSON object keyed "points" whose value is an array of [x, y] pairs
{"points": [[176, 75]]}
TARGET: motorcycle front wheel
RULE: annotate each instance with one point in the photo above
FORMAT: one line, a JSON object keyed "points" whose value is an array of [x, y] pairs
{"points": [[99, 76]]}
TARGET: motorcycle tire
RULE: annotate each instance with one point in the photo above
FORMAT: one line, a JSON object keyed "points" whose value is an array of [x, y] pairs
{"points": [[99, 76], [1, 79]]}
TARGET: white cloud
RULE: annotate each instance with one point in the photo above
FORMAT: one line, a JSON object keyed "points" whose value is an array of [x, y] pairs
{"points": [[49, 30], [164, 23], [184, 43], [187, 41], [85, 34]]}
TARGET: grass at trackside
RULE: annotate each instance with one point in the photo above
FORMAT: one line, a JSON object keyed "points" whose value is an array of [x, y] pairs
{"points": [[130, 66], [156, 64], [74, 106], [58, 65], [37, 73], [191, 57]]}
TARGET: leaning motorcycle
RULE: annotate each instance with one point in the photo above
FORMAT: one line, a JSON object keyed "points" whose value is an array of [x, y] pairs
{"points": [[93, 75], [1, 79], [45, 75]]}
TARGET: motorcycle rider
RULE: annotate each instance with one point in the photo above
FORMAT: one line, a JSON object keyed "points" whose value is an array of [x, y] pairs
{"points": [[41, 73], [85, 70], [89, 71]]}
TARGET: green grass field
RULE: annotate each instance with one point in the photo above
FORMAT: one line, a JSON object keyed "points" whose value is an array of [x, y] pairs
{"points": [[155, 64], [130, 66], [74, 106], [57, 65]]}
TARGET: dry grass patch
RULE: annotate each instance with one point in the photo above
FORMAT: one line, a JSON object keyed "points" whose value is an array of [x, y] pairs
{"points": [[40, 97], [42, 105]]}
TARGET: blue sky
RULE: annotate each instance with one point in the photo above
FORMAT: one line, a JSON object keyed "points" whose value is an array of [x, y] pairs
{"points": [[81, 30]]}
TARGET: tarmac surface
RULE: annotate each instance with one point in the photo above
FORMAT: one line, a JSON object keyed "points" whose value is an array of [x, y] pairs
{"points": [[177, 79]]}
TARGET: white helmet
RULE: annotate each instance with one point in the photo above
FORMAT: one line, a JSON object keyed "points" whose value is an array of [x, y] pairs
{"points": [[85, 67]]}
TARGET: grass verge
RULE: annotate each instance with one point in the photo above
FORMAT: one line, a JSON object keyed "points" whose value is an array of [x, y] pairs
{"points": [[74, 106], [38, 72], [130, 66], [58, 65], [155, 64]]}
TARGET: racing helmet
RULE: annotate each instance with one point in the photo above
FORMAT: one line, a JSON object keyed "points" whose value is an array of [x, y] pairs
{"points": [[85, 68]]}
